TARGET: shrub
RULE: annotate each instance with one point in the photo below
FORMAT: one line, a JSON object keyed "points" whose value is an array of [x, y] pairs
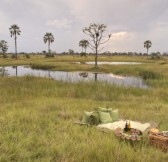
{"points": [[155, 57], [43, 67], [49, 55], [13, 56], [5, 56], [83, 54], [27, 56]]}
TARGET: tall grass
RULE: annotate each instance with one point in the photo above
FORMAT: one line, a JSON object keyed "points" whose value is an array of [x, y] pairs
{"points": [[37, 120], [37, 114], [150, 75]]}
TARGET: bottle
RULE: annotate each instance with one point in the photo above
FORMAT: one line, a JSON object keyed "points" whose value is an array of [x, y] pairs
{"points": [[129, 125], [126, 127]]}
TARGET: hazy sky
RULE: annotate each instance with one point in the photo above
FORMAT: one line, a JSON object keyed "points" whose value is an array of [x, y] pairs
{"points": [[130, 22]]}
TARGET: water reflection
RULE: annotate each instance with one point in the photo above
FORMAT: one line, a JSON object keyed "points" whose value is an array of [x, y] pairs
{"points": [[73, 77], [3, 72], [95, 76], [49, 75], [83, 74], [16, 69], [109, 63]]}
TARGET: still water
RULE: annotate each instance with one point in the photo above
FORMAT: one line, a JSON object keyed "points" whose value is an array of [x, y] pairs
{"points": [[73, 77], [110, 63]]}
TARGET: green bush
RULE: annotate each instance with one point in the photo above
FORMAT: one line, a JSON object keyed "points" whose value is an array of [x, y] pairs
{"points": [[83, 54], [5, 56], [13, 56], [27, 56], [49, 55], [43, 67], [155, 57]]}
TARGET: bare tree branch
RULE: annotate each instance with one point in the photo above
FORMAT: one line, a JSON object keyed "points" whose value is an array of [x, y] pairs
{"points": [[101, 49], [91, 45], [105, 41], [91, 48]]}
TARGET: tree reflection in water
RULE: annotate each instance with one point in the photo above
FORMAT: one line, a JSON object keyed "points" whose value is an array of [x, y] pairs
{"points": [[16, 68], [3, 72], [95, 76], [84, 74]]}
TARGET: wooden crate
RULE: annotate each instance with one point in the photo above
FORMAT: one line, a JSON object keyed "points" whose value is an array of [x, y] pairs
{"points": [[159, 141]]}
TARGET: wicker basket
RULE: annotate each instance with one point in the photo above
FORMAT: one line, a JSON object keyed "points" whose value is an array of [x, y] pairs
{"points": [[159, 141]]}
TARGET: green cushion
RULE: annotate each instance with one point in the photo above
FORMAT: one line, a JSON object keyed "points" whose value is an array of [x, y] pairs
{"points": [[115, 115], [109, 110], [95, 120], [104, 109], [105, 117], [86, 117], [91, 118]]}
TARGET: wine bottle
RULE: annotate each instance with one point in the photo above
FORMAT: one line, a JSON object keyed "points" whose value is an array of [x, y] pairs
{"points": [[126, 127]]}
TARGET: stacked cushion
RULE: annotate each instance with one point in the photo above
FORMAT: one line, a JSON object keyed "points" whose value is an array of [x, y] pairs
{"points": [[115, 115], [100, 115], [86, 116], [104, 109], [105, 117], [91, 118], [104, 114]]}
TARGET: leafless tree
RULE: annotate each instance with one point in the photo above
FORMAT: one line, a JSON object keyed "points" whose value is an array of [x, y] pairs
{"points": [[95, 32]]}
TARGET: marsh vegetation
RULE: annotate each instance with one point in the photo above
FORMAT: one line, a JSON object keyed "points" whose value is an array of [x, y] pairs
{"points": [[37, 114]]}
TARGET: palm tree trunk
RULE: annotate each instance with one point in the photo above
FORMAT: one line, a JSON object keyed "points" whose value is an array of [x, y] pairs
{"points": [[49, 47], [15, 47], [3, 54], [95, 76], [147, 51]]}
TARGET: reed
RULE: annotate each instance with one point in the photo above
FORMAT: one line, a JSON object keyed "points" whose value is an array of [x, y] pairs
{"points": [[150, 75], [37, 120], [37, 117]]}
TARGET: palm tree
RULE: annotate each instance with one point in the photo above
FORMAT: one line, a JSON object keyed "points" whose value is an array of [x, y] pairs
{"points": [[14, 31], [3, 47], [48, 37], [147, 45], [84, 44]]}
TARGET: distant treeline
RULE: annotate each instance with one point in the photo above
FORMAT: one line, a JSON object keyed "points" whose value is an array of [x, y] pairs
{"points": [[104, 53]]}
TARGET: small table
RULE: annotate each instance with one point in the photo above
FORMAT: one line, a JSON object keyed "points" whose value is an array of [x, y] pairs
{"points": [[132, 134]]}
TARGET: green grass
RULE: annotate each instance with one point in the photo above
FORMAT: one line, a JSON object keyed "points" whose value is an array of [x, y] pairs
{"points": [[66, 63], [37, 114]]}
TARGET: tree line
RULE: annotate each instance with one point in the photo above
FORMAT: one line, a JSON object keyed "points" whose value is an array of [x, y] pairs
{"points": [[94, 31]]}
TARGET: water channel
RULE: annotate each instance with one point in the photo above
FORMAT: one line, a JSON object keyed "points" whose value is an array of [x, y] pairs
{"points": [[73, 77]]}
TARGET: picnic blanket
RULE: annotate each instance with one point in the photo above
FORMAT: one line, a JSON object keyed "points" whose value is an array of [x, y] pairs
{"points": [[121, 124]]}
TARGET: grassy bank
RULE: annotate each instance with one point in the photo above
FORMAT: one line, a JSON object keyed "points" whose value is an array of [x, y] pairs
{"points": [[37, 121], [154, 68], [37, 116]]}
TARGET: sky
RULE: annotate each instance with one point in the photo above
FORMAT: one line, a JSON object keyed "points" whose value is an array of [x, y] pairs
{"points": [[130, 22]]}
